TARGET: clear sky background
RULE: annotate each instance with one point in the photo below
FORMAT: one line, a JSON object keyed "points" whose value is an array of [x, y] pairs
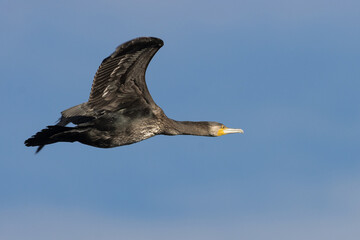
{"points": [[287, 72]]}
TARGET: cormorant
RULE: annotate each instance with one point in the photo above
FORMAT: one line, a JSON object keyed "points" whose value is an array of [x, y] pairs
{"points": [[120, 109]]}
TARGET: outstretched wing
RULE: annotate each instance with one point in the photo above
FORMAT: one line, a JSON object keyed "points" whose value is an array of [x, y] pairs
{"points": [[120, 80]]}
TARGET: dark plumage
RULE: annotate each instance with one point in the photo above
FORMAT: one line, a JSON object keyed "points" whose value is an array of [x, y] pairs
{"points": [[120, 109]]}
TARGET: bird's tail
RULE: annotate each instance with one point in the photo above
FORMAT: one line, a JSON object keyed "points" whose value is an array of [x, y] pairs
{"points": [[49, 135]]}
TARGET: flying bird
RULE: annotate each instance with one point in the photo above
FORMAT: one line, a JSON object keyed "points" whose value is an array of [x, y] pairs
{"points": [[120, 109]]}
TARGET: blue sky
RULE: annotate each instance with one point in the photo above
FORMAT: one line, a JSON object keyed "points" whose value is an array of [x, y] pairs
{"points": [[287, 72]]}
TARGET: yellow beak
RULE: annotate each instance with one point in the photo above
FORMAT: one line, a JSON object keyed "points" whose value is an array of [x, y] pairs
{"points": [[226, 130]]}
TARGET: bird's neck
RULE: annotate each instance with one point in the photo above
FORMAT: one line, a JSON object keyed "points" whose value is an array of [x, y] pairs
{"points": [[186, 128]]}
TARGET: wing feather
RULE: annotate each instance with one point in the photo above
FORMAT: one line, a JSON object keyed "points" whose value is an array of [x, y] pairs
{"points": [[120, 79]]}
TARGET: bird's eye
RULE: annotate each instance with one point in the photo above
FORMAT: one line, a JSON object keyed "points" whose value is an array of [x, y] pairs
{"points": [[222, 126]]}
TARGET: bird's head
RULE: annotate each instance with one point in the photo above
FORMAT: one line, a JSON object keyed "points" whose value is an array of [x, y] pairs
{"points": [[219, 129]]}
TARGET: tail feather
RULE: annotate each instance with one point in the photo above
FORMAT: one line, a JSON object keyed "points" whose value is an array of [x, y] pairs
{"points": [[39, 148], [49, 135]]}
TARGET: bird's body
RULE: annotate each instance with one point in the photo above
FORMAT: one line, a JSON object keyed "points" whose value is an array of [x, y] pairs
{"points": [[120, 109]]}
